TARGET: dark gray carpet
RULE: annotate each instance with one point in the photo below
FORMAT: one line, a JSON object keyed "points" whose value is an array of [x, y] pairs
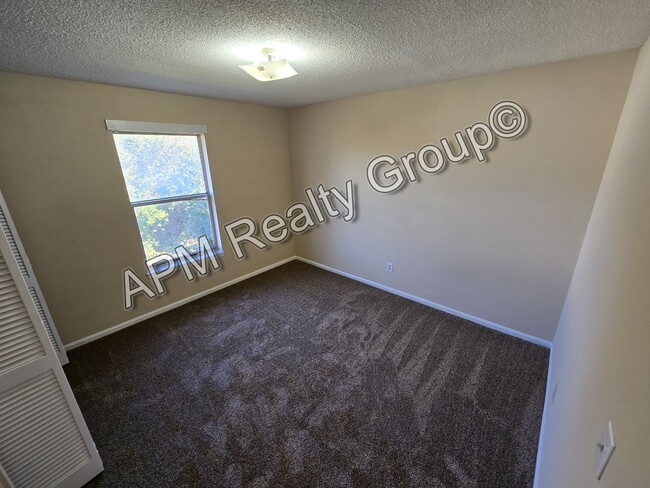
{"points": [[302, 378]]}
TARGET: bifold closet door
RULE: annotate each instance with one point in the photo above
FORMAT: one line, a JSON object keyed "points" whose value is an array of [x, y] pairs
{"points": [[44, 440], [8, 228]]}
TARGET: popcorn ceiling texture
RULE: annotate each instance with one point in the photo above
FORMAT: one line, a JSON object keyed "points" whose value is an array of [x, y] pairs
{"points": [[350, 47]]}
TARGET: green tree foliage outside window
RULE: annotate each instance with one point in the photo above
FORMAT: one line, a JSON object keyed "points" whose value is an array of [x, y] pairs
{"points": [[166, 167]]}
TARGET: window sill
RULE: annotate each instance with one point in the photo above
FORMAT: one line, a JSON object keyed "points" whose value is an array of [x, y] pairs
{"points": [[163, 265]]}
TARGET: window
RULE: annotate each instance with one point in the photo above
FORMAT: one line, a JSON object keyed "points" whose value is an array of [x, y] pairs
{"points": [[166, 171]]}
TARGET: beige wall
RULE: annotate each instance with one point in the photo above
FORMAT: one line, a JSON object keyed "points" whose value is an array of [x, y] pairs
{"points": [[498, 241], [601, 361], [61, 178]]}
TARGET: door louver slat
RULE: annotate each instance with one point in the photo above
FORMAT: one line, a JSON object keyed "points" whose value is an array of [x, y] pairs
{"points": [[51, 433], [36, 429], [24, 356], [66, 454], [15, 433], [12, 353], [8, 293], [15, 409], [8, 312], [44, 319], [16, 334], [11, 401], [14, 320], [15, 343], [12, 242], [17, 327]]}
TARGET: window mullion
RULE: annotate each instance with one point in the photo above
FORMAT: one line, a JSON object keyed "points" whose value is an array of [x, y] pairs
{"points": [[179, 198]]}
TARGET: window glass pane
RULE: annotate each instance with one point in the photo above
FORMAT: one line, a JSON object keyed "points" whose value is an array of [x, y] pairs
{"points": [[158, 166], [165, 226]]}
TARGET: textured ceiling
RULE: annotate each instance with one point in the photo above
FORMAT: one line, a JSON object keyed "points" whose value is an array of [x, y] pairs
{"points": [[340, 48]]}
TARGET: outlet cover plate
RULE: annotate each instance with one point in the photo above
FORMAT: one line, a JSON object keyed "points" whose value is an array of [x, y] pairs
{"points": [[604, 450]]}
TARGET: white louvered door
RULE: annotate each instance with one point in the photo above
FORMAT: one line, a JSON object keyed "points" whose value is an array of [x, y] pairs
{"points": [[9, 230], [44, 441]]}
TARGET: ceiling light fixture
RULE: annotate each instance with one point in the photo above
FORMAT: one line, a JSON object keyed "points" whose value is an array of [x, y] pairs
{"points": [[270, 70]]}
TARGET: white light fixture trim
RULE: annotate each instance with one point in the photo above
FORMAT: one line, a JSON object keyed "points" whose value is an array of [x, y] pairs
{"points": [[271, 69]]}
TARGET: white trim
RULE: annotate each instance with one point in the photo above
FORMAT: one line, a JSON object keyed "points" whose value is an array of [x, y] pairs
{"points": [[429, 303], [547, 404], [207, 178], [154, 127], [171, 306], [486, 323]]}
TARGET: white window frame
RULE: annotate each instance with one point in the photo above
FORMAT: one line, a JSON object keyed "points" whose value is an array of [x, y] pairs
{"points": [[156, 128]]}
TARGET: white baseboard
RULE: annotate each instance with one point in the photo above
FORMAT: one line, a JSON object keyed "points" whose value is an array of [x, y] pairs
{"points": [[429, 303], [547, 405], [171, 306]]}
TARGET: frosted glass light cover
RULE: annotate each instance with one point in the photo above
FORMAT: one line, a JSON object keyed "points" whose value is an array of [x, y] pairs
{"points": [[270, 70]]}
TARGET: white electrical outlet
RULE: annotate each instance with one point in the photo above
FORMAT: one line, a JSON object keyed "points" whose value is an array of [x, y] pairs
{"points": [[389, 267], [604, 450]]}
